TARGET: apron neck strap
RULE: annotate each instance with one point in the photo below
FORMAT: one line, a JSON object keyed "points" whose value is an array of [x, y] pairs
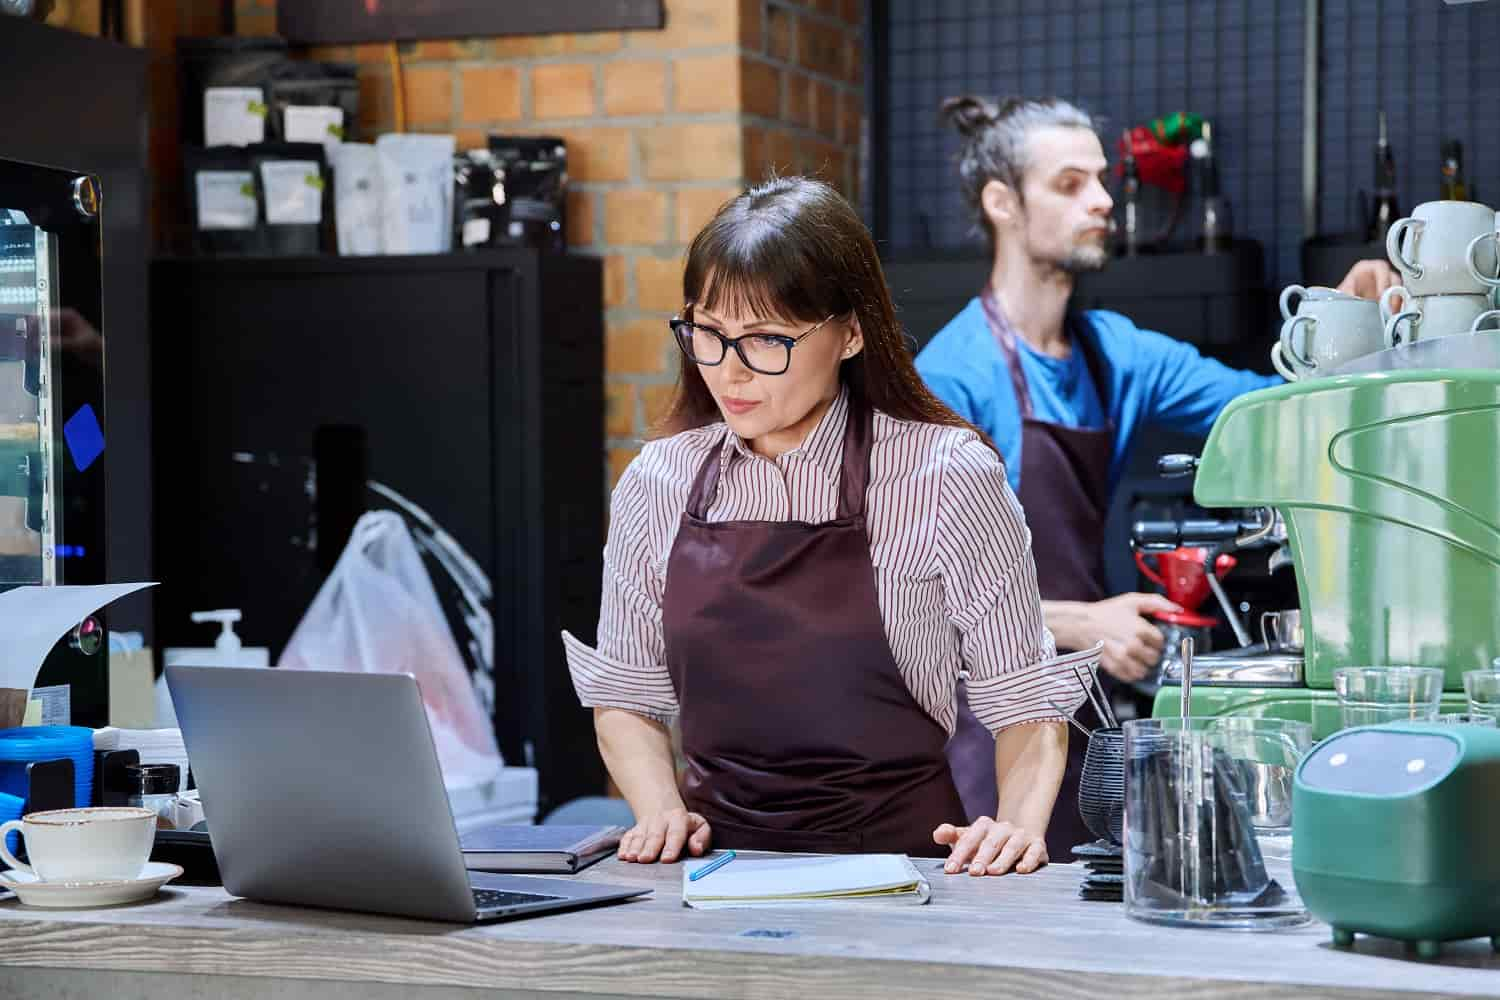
{"points": [[854, 470], [706, 484], [1005, 337]]}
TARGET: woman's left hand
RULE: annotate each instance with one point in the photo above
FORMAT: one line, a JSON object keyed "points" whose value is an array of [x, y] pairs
{"points": [[991, 847]]}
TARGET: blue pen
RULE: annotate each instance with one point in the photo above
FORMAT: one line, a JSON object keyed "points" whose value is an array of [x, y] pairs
{"points": [[712, 866]]}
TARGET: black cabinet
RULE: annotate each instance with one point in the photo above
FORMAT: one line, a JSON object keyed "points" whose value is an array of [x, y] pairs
{"points": [[475, 382]]}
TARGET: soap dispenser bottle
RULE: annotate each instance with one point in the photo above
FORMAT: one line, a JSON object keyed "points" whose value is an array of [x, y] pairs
{"points": [[227, 651]]}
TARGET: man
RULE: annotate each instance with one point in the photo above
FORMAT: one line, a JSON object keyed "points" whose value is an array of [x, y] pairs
{"points": [[1064, 395]]}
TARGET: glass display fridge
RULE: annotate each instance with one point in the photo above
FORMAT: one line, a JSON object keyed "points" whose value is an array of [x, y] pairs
{"points": [[52, 414]]}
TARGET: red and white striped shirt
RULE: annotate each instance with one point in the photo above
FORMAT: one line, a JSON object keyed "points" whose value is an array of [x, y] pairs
{"points": [[954, 574]]}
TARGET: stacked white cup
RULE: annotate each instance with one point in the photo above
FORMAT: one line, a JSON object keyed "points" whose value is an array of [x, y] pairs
{"points": [[1445, 252], [1323, 330]]}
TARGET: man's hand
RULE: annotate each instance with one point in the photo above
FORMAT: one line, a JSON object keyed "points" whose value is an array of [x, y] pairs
{"points": [[1369, 279], [1132, 645]]}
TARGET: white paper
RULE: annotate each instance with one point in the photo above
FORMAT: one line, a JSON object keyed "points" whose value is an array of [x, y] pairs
{"points": [[357, 198], [234, 116], [417, 183], [32, 619], [314, 124], [226, 199], [57, 704], [294, 192]]}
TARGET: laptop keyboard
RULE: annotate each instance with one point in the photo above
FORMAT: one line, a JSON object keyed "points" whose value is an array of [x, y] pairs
{"points": [[494, 899]]}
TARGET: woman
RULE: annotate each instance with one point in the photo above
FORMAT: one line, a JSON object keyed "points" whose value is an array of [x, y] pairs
{"points": [[800, 566]]}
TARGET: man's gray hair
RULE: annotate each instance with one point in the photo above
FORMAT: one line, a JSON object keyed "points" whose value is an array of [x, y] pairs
{"points": [[994, 141]]}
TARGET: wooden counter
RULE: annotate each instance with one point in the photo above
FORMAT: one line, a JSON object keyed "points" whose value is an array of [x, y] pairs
{"points": [[979, 937]]}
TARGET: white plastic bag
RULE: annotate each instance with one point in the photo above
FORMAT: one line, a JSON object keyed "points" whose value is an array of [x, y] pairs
{"points": [[378, 613]]}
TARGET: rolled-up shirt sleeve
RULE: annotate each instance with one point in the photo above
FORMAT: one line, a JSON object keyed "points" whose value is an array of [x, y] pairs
{"points": [[627, 669], [1013, 672]]}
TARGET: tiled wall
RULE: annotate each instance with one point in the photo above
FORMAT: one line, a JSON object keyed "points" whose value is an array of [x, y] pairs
{"points": [[1239, 62], [662, 127], [1431, 66]]}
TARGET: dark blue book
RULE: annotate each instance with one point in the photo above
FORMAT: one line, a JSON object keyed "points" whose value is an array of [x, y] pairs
{"points": [[554, 849]]}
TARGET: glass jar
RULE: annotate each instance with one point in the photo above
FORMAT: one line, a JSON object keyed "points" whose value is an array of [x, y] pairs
{"points": [[1208, 816], [154, 787]]}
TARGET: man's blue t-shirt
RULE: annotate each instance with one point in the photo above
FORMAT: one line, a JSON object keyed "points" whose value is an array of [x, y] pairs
{"points": [[1152, 379]]}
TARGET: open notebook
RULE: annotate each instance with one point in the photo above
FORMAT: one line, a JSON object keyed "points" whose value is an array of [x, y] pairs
{"points": [[796, 881]]}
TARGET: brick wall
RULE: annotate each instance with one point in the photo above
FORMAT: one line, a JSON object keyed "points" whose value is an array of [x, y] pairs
{"points": [[662, 127]]}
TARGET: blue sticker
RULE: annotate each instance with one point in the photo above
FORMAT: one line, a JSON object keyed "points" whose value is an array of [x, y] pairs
{"points": [[84, 436]]}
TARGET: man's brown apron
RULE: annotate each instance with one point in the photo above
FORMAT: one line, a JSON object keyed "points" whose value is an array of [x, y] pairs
{"points": [[1065, 494]]}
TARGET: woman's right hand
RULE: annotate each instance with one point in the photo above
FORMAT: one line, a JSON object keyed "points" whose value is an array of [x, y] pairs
{"points": [[662, 835]]}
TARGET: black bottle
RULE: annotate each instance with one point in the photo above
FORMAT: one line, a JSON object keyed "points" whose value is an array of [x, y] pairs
{"points": [[1384, 211]]}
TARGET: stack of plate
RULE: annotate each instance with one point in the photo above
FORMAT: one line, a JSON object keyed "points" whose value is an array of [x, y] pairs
{"points": [[28, 744], [1105, 862]]}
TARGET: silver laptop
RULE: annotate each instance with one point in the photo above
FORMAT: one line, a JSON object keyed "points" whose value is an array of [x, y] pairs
{"points": [[323, 789]]}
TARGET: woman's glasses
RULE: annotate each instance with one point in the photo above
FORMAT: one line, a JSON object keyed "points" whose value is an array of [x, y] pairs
{"points": [[766, 353]]}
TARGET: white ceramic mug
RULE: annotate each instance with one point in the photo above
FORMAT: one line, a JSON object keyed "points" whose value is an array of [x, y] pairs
{"points": [[1426, 316], [1316, 293], [1431, 248], [1333, 332], [1482, 248], [1387, 310], [83, 845], [1485, 321]]}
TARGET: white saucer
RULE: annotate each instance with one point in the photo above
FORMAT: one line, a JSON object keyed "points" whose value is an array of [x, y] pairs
{"points": [[75, 895]]}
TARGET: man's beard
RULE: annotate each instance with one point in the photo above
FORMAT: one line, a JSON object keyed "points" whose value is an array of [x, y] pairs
{"points": [[1083, 259]]}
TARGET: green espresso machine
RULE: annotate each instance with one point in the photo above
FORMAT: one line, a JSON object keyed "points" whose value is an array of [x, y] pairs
{"points": [[1387, 486]]}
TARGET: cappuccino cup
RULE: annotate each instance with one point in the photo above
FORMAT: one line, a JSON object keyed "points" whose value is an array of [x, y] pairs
{"points": [[1326, 333], [1423, 317], [1302, 293], [1481, 249], [1485, 321], [83, 845], [1439, 249]]}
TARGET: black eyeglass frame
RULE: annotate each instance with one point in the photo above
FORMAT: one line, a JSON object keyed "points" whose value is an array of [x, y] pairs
{"points": [[678, 325]]}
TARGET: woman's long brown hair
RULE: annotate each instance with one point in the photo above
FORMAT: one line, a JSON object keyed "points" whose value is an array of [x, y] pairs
{"points": [[793, 249]]}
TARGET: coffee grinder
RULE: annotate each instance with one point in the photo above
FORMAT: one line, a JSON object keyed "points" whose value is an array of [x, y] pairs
{"points": [[1183, 575]]}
